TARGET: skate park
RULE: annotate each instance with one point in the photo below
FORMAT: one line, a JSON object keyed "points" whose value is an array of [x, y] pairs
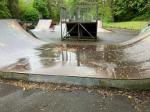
{"points": [[34, 59], [117, 58], [74, 56]]}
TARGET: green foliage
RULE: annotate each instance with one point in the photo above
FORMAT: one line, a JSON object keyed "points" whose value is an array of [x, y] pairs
{"points": [[106, 11], [144, 17], [55, 14], [30, 14], [128, 9], [132, 25], [109, 10], [13, 8], [4, 12], [23, 4], [41, 6], [54, 9], [71, 2]]}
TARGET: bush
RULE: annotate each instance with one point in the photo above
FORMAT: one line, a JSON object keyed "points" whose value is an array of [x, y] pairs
{"points": [[4, 12], [42, 7], [106, 11], [125, 10], [144, 17], [13, 6], [30, 14]]}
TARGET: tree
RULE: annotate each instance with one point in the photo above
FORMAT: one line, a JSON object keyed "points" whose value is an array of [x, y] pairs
{"points": [[128, 9], [4, 11], [30, 14], [42, 7], [54, 9], [13, 6]]}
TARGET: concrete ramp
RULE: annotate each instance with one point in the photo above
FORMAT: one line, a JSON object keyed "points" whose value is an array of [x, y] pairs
{"points": [[141, 37], [15, 43], [48, 35], [22, 53], [43, 24], [12, 34]]}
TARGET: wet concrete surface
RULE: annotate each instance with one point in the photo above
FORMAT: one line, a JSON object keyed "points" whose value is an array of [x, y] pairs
{"points": [[15, 99], [81, 59], [112, 36]]}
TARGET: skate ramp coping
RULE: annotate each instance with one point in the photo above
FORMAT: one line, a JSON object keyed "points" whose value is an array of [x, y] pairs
{"points": [[43, 24]]}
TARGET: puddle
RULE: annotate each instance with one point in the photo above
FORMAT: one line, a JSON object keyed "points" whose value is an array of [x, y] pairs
{"points": [[103, 61], [100, 61]]}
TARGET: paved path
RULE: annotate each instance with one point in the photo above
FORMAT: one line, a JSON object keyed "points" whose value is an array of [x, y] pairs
{"points": [[15, 99]]}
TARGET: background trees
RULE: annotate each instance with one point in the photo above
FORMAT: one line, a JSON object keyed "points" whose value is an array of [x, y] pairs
{"points": [[128, 9], [109, 10], [4, 11], [42, 7], [13, 8], [30, 14]]}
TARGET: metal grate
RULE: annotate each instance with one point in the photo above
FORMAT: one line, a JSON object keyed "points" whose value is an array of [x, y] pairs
{"points": [[79, 21]]}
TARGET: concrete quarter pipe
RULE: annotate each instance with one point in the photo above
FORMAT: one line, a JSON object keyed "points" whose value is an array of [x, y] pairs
{"points": [[22, 53]]}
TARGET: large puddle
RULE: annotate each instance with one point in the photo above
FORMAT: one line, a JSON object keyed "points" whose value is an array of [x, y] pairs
{"points": [[100, 61]]}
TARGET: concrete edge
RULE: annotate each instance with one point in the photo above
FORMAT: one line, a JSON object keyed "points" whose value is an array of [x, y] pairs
{"points": [[141, 84]]}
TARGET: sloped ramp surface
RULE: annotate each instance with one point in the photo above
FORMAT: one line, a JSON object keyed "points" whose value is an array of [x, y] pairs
{"points": [[12, 34], [142, 36], [15, 43], [43, 24]]}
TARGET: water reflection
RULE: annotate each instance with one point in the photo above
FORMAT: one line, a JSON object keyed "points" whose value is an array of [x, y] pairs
{"points": [[102, 61], [22, 65], [106, 61]]}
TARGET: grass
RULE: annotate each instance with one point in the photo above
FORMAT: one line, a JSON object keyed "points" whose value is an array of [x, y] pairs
{"points": [[144, 17], [25, 3], [132, 25]]}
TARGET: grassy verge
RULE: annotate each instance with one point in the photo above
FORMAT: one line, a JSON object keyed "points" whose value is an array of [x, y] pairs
{"points": [[132, 25]]}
